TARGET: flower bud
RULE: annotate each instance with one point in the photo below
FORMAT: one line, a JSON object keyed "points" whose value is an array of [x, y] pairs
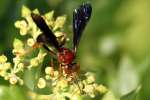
{"points": [[41, 83], [3, 59], [20, 66], [25, 11], [16, 60], [7, 65], [49, 70], [17, 44], [30, 42], [13, 79], [90, 77], [22, 25], [59, 22], [101, 89], [34, 62], [47, 77], [89, 89], [63, 85]]}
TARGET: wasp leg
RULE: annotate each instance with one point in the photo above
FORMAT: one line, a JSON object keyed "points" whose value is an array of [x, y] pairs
{"points": [[74, 77], [50, 51], [52, 66], [72, 71], [76, 82], [75, 68], [60, 71]]}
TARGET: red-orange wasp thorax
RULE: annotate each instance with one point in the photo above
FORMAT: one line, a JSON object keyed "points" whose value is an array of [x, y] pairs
{"points": [[65, 55]]}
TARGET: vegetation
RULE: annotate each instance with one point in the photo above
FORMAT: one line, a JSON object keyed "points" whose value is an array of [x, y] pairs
{"points": [[113, 51]]}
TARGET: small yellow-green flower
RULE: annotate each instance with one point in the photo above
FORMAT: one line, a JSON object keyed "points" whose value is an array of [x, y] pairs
{"points": [[30, 42], [34, 62], [89, 89], [20, 66], [22, 25], [7, 65], [90, 78], [3, 59], [49, 18], [101, 89], [49, 70], [16, 60], [61, 86], [2, 72], [18, 44], [41, 56], [59, 23], [47, 77], [41, 83], [25, 11], [13, 79]]}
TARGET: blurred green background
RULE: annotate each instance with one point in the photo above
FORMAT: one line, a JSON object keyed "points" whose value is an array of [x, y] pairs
{"points": [[115, 44]]}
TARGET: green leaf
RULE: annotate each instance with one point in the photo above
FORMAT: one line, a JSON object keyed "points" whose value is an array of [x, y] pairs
{"points": [[128, 79], [132, 95], [109, 96], [12, 93], [31, 78]]}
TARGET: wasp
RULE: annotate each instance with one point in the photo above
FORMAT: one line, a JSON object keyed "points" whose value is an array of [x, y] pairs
{"points": [[65, 56]]}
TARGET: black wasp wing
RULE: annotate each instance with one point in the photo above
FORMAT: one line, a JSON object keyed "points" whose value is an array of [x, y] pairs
{"points": [[80, 18], [47, 33]]}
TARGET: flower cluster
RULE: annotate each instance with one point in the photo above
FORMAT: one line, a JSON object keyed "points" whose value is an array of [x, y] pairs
{"points": [[23, 60], [9, 72], [62, 88], [21, 49]]}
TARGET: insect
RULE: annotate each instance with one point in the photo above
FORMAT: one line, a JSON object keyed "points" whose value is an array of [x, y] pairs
{"points": [[65, 56]]}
